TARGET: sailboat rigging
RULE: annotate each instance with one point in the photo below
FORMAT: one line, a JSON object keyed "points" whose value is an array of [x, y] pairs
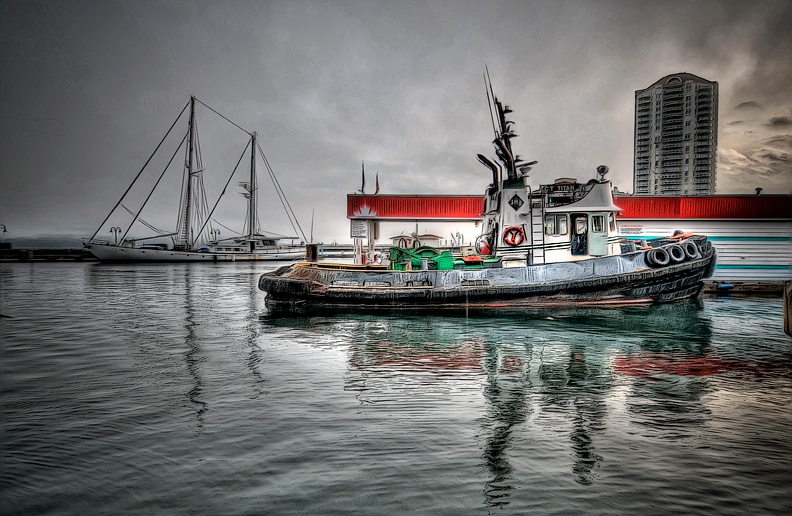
{"points": [[196, 238]]}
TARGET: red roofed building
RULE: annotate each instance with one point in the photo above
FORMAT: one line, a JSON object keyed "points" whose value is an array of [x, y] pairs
{"points": [[751, 233]]}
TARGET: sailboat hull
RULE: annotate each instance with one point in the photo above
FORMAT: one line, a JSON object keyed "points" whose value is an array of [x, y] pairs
{"points": [[113, 253]]}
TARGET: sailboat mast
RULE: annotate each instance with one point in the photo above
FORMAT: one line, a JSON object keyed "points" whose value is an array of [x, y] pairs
{"points": [[253, 188], [185, 231]]}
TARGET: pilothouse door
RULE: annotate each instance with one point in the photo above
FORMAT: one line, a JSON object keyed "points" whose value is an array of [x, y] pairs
{"points": [[579, 234], [598, 234]]}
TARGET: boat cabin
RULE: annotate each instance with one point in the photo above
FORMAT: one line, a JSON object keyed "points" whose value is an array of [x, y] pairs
{"points": [[259, 243], [561, 222]]}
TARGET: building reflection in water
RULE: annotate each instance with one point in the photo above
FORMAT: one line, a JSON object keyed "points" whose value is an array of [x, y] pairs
{"points": [[532, 366], [670, 375]]}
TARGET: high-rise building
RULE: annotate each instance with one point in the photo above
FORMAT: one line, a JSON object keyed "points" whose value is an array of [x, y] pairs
{"points": [[676, 136]]}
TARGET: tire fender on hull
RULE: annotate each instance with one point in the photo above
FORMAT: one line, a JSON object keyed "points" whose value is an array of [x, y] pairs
{"points": [[676, 253], [690, 248], [657, 257]]}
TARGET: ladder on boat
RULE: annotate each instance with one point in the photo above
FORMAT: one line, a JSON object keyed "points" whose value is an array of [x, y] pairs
{"points": [[537, 232]]}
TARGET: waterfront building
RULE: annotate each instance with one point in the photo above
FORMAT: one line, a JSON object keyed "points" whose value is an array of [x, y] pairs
{"points": [[752, 234], [676, 136]]}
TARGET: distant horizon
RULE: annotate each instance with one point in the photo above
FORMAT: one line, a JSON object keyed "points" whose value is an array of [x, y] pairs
{"points": [[75, 240]]}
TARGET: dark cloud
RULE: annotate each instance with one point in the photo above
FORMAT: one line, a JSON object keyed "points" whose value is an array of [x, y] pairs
{"points": [[780, 121], [748, 104]]}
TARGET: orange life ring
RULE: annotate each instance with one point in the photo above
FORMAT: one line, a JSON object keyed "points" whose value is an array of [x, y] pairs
{"points": [[514, 235]]}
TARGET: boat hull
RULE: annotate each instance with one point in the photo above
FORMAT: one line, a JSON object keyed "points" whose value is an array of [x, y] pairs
{"points": [[119, 254], [607, 281]]}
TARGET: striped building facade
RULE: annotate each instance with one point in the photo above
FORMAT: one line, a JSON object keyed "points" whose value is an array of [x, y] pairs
{"points": [[751, 234]]}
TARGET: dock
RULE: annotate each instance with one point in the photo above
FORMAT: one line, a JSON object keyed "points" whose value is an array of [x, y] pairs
{"points": [[45, 255]]}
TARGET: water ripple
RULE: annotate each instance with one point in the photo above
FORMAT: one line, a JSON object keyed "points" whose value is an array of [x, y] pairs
{"points": [[170, 389]]}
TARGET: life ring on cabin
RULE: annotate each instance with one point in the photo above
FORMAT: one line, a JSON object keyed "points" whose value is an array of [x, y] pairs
{"points": [[676, 253], [690, 248], [657, 257], [514, 235]]}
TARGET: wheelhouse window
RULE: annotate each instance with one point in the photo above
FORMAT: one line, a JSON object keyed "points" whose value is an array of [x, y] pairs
{"points": [[612, 220], [598, 224], [556, 224]]}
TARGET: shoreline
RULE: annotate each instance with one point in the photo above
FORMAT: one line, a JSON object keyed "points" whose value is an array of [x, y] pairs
{"points": [[712, 288]]}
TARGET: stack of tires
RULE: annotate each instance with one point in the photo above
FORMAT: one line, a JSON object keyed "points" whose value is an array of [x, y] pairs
{"points": [[672, 254]]}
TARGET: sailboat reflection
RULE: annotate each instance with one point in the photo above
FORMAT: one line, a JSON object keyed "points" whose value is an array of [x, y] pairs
{"points": [[192, 356], [252, 332]]}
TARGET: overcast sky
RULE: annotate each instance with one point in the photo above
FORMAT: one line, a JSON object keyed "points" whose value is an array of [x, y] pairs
{"points": [[88, 89]]}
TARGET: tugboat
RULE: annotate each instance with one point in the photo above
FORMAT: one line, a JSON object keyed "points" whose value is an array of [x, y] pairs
{"points": [[553, 245]]}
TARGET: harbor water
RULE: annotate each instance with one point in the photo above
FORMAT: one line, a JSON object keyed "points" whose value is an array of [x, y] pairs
{"points": [[168, 389]]}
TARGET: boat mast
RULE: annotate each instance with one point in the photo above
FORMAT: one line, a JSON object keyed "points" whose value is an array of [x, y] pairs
{"points": [[253, 188], [185, 229]]}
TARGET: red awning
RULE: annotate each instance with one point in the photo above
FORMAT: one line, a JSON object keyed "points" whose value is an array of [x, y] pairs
{"points": [[709, 207], [452, 208]]}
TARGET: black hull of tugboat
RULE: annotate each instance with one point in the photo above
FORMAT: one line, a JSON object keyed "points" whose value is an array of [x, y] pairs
{"points": [[305, 288]]}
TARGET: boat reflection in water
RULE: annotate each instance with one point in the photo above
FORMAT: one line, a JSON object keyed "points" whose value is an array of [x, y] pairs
{"points": [[531, 371]]}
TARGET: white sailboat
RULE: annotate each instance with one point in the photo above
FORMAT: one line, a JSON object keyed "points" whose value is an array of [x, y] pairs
{"points": [[196, 238]]}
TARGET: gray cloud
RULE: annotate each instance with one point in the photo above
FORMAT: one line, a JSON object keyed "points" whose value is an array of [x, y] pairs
{"points": [[748, 104]]}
